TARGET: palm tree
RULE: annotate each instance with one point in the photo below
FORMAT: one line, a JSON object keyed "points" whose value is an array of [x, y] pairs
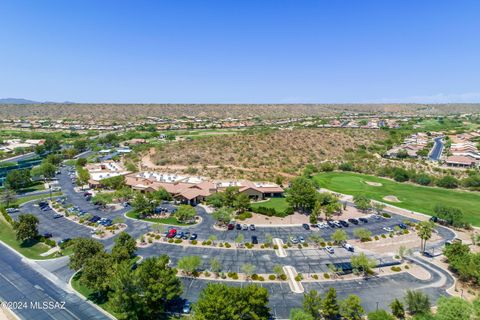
{"points": [[424, 232]]}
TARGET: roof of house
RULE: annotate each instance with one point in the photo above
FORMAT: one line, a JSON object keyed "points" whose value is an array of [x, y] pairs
{"points": [[461, 160]]}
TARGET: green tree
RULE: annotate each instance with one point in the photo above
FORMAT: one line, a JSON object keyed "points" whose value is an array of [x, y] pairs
{"points": [[239, 239], [81, 162], [219, 301], [18, 179], [339, 236], [216, 200], [242, 202], [362, 202], [113, 183], [302, 194], [453, 308], [26, 227], [215, 265], [223, 215], [83, 249], [417, 302], [453, 216], [448, 182], [330, 307], [248, 269], [312, 304], [230, 196], [125, 295], [424, 232], [8, 196], [46, 170], [362, 263], [189, 264], [82, 176], [398, 310], [362, 234], [185, 213], [96, 273], [124, 248], [380, 315], [351, 308], [299, 314], [158, 284], [278, 270], [140, 204]]}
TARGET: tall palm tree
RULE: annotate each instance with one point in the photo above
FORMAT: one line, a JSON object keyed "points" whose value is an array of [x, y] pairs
{"points": [[424, 232]]}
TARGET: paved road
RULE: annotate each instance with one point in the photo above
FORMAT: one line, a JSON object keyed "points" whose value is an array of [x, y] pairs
{"points": [[21, 282], [21, 157], [437, 149], [372, 290]]}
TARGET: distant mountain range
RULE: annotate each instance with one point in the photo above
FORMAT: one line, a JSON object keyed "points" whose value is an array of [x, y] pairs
{"points": [[26, 101]]}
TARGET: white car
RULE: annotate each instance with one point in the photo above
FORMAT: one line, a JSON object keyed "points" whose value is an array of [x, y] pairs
{"points": [[329, 249], [348, 247], [388, 229], [301, 239], [322, 225], [244, 227], [293, 240]]}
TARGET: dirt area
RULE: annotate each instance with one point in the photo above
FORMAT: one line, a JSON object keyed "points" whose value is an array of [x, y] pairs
{"points": [[391, 199], [104, 233], [374, 184], [391, 245], [259, 220]]}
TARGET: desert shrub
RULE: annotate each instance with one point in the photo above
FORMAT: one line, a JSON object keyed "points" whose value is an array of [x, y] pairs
{"points": [[194, 242], [271, 277], [315, 277], [283, 277], [396, 269], [326, 276]]}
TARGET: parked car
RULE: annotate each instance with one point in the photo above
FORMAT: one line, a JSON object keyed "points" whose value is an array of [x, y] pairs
{"points": [[179, 234], [172, 233], [402, 226], [364, 220], [193, 236], [337, 224], [254, 240], [306, 226], [322, 225], [329, 250], [301, 239], [331, 224], [57, 215], [348, 247], [47, 235], [244, 226], [230, 226], [353, 220], [238, 226], [12, 210], [252, 227], [186, 235], [343, 223], [388, 229], [293, 239]]}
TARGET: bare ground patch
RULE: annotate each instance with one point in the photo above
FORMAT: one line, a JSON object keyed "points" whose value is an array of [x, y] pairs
{"points": [[391, 199]]}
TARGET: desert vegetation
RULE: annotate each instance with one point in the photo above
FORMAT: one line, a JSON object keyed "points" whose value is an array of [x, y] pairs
{"points": [[261, 154]]}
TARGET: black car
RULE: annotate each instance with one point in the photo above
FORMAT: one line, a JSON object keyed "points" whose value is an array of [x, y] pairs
{"points": [[364, 220], [186, 235], [343, 223], [353, 220], [254, 240], [47, 235], [193, 236], [331, 224], [402, 226], [306, 226], [238, 226]]}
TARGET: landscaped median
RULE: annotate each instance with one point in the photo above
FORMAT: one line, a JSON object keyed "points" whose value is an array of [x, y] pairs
{"points": [[407, 196], [162, 220]]}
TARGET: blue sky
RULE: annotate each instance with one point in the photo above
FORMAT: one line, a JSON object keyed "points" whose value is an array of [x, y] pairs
{"points": [[243, 51]]}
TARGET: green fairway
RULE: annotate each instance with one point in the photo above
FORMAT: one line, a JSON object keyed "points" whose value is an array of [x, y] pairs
{"points": [[412, 197], [279, 204]]}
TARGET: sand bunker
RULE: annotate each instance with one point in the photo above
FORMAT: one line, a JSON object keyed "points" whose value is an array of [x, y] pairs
{"points": [[375, 184], [391, 199]]}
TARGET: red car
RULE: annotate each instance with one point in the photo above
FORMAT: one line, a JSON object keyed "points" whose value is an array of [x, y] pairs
{"points": [[172, 233], [230, 226]]}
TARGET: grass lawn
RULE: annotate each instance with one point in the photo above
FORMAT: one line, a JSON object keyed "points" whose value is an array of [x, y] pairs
{"points": [[170, 220], [412, 197], [279, 204], [36, 186], [30, 250], [89, 294]]}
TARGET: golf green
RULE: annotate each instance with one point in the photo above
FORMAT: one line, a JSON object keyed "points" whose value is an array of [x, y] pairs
{"points": [[411, 197]]}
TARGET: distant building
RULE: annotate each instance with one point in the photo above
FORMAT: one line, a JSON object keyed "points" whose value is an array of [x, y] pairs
{"points": [[461, 161]]}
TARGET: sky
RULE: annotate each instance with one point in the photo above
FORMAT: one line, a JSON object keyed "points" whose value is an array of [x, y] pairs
{"points": [[240, 51]]}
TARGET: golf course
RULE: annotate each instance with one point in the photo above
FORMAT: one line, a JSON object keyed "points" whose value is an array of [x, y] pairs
{"points": [[407, 196]]}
